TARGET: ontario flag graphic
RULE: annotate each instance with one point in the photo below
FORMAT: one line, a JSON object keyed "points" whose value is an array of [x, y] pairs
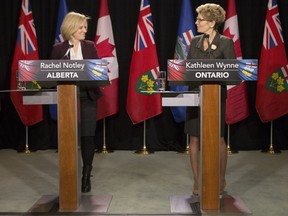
{"points": [[237, 107], [26, 48], [142, 103], [272, 86], [104, 41]]}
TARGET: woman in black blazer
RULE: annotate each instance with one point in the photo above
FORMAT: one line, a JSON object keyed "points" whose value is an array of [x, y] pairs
{"points": [[75, 47], [209, 45]]}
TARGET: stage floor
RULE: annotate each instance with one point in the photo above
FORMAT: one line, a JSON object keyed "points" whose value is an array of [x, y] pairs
{"points": [[125, 183]]}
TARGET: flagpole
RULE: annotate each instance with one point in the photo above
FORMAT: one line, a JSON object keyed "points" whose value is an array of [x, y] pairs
{"points": [[104, 149], [144, 150], [271, 147], [27, 151], [229, 150], [186, 151]]}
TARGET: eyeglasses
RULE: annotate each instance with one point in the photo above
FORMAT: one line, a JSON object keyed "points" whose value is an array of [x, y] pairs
{"points": [[200, 19]]}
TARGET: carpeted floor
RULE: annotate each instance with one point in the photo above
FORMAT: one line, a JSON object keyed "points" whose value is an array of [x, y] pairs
{"points": [[145, 184]]}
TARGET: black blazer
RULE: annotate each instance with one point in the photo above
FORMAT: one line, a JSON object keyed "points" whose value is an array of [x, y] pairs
{"points": [[221, 47], [88, 51]]}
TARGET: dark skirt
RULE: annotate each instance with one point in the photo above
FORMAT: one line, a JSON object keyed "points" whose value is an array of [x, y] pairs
{"points": [[192, 123]]}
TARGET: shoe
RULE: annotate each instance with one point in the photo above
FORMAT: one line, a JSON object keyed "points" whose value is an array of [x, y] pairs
{"points": [[220, 195], [86, 183], [195, 193]]}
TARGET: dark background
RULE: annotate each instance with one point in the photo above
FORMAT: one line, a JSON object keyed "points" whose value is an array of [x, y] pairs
{"points": [[162, 132]]}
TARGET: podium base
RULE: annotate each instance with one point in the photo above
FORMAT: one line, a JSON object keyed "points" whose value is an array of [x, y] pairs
{"points": [[185, 205], [89, 203], [229, 204]]}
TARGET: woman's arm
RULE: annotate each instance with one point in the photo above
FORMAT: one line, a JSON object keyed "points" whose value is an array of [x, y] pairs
{"points": [[229, 51]]}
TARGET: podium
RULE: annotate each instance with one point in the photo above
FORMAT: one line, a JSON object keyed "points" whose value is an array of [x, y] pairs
{"points": [[210, 74], [68, 76]]}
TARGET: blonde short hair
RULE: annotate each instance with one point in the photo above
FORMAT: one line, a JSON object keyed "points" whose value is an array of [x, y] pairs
{"points": [[71, 23], [212, 12]]}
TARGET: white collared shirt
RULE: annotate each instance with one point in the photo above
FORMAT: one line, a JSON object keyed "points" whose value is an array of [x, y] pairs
{"points": [[78, 55]]}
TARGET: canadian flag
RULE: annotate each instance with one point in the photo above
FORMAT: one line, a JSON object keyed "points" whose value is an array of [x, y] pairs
{"points": [[104, 41], [237, 101]]}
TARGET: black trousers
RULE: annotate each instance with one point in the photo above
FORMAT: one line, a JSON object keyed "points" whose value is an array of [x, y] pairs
{"points": [[88, 109]]}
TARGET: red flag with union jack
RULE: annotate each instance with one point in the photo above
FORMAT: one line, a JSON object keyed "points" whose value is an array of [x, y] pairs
{"points": [[142, 104], [237, 107], [104, 41], [26, 49], [272, 85]]}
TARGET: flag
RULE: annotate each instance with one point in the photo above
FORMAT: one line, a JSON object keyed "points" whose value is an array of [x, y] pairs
{"points": [[26, 48], [142, 103], [186, 31], [104, 41], [237, 107], [231, 29], [62, 11], [272, 85]]}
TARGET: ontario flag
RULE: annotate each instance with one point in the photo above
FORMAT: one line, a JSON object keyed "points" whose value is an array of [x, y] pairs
{"points": [[272, 85], [62, 11], [104, 41], [26, 48], [237, 107], [142, 103], [186, 31]]}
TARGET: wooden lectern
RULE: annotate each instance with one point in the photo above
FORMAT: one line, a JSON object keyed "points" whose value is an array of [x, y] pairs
{"points": [[69, 75], [210, 142], [68, 141], [210, 74]]}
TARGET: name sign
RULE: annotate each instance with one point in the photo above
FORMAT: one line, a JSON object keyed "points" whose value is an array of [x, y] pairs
{"points": [[62, 70], [212, 70]]}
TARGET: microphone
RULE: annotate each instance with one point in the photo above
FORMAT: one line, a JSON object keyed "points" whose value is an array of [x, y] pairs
{"points": [[66, 56]]}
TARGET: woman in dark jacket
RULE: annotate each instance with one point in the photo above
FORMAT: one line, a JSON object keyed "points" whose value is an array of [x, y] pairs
{"points": [[209, 45], [75, 47]]}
